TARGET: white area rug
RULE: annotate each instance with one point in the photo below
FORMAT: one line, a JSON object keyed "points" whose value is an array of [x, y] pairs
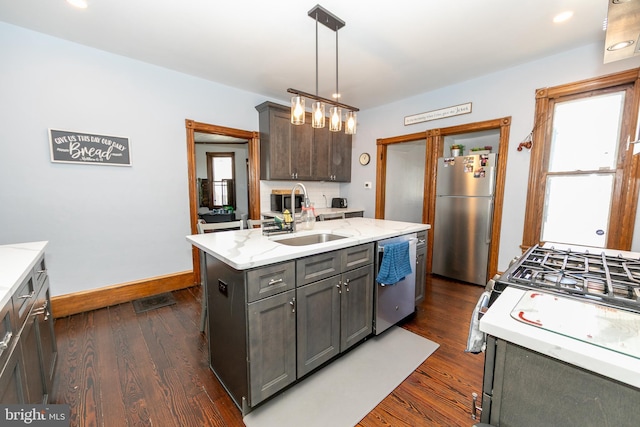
{"points": [[345, 391]]}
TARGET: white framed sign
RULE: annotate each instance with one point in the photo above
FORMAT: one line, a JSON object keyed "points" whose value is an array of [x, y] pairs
{"points": [[455, 110], [78, 147]]}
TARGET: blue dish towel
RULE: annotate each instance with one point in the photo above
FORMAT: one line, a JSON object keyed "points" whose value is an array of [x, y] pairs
{"points": [[395, 263]]}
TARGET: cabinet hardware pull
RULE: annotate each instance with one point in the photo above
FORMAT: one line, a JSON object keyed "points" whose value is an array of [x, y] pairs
{"points": [[346, 284], [28, 296], [4, 344], [292, 303], [339, 286], [38, 311], [274, 281], [42, 271]]}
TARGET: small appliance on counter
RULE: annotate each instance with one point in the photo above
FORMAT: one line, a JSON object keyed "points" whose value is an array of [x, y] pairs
{"points": [[339, 202], [282, 202]]}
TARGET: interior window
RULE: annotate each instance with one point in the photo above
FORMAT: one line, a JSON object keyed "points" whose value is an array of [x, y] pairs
{"points": [[582, 188], [221, 174]]}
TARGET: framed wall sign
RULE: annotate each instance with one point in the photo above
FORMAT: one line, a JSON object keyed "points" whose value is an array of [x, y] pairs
{"points": [[455, 110], [78, 147]]}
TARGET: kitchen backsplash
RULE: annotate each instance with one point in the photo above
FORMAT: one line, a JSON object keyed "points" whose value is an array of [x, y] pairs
{"points": [[316, 191]]}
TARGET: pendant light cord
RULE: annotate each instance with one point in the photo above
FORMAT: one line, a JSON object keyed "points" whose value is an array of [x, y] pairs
{"points": [[337, 93], [316, 54]]}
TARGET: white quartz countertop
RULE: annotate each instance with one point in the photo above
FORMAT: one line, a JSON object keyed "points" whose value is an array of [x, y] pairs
{"points": [[244, 249], [612, 364], [16, 263]]}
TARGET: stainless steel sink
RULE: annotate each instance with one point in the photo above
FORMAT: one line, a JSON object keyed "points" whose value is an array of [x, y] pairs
{"points": [[309, 239]]}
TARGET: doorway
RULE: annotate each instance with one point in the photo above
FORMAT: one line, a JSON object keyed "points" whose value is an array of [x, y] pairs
{"points": [[436, 146], [253, 172]]}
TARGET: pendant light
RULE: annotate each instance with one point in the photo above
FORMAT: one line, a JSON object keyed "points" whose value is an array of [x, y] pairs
{"points": [[317, 108], [297, 110], [334, 23]]}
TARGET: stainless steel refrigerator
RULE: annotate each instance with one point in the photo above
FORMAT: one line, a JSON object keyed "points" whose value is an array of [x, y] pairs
{"points": [[464, 211]]}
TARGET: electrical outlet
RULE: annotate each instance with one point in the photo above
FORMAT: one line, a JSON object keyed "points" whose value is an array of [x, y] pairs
{"points": [[367, 184]]}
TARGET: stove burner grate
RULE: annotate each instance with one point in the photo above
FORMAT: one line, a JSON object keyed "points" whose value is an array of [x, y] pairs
{"points": [[606, 279]]}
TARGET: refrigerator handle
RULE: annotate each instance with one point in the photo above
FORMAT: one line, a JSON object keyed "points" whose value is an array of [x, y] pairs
{"points": [[492, 180], [489, 221]]}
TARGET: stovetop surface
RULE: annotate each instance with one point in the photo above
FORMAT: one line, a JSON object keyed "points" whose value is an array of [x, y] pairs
{"points": [[604, 279]]}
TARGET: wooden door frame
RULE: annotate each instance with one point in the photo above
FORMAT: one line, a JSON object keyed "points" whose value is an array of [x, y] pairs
{"points": [[253, 139], [435, 148]]}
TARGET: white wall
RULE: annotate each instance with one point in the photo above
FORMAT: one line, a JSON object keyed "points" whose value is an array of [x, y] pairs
{"points": [[510, 92], [105, 225]]}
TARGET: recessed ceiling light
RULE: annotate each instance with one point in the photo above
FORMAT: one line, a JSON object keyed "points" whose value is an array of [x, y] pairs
{"points": [[620, 45], [80, 4], [561, 17]]}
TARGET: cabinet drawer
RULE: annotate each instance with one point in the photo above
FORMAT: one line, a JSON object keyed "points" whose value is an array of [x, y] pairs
{"points": [[270, 280], [317, 267], [8, 332], [357, 256], [40, 272], [422, 238], [23, 299]]}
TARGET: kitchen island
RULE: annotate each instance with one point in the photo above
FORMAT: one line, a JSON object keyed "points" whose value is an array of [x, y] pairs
{"points": [[277, 312]]}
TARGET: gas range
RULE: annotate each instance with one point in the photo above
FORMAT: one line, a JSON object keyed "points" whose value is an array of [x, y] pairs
{"points": [[599, 277]]}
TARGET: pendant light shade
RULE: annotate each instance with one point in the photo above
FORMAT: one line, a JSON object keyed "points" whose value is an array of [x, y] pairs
{"points": [[351, 123], [335, 119], [297, 110], [317, 114]]}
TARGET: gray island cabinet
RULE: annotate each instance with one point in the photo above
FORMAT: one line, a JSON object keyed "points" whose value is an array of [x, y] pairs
{"points": [[268, 328], [279, 312]]}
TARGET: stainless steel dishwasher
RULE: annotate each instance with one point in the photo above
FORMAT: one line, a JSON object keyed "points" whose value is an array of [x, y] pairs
{"points": [[394, 301]]}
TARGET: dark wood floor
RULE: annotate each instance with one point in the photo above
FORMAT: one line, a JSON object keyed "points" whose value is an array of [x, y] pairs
{"points": [[119, 368]]}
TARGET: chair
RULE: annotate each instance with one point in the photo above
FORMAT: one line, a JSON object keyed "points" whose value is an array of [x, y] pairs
{"points": [[208, 227], [256, 223], [330, 216]]}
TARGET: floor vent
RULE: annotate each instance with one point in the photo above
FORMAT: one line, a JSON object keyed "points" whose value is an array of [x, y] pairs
{"points": [[155, 301]]}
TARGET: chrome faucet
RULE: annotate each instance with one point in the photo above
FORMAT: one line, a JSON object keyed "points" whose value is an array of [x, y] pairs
{"points": [[293, 204]]}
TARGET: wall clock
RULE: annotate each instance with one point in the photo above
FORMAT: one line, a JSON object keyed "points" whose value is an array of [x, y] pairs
{"points": [[364, 159]]}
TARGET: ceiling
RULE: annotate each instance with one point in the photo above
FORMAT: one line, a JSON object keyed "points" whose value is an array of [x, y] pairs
{"points": [[387, 52]]}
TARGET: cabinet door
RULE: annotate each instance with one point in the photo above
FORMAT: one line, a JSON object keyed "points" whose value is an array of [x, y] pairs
{"points": [[46, 337], [302, 151], [332, 155], [356, 309], [279, 146], [12, 379], [272, 345], [322, 154], [318, 318], [421, 273], [33, 379], [340, 158]]}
